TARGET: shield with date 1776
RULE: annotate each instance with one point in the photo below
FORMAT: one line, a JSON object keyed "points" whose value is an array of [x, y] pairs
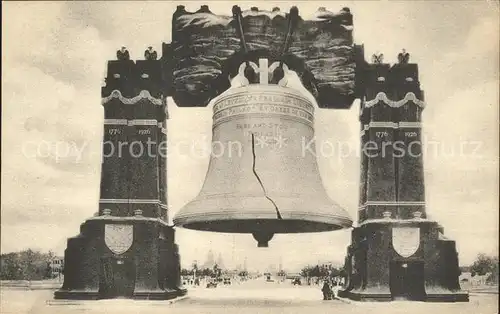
{"points": [[405, 240], [118, 238]]}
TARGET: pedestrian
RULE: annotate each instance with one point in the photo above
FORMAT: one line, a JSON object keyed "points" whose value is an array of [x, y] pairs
{"points": [[326, 290]]}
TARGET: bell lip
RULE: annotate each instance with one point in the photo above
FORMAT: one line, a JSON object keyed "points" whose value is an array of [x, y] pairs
{"points": [[192, 217], [311, 223], [327, 227], [261, 214], [337, 221]]}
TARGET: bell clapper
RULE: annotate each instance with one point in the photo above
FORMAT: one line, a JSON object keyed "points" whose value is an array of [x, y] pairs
{"points": [[262, 238]]}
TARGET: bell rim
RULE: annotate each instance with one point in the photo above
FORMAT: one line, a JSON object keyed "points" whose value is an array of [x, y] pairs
{"points": [[197, 212], [312, 226], [297, 215], [328, 222]]}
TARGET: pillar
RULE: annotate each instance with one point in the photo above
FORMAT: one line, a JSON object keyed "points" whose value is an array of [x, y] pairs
{"points": [[396, 251], [128, 249]]}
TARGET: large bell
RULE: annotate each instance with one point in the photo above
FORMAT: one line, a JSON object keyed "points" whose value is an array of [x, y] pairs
{"points": [[263, 175]]}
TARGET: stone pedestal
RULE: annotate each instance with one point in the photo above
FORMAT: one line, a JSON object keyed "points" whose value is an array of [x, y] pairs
{"points": [[132, 257], [392, 259]]}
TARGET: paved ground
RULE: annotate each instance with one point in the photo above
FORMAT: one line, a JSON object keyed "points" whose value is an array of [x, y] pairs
{"points": [[251, 297]]}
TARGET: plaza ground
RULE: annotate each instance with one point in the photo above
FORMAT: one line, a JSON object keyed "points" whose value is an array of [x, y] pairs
{"points": [[255, 296]]}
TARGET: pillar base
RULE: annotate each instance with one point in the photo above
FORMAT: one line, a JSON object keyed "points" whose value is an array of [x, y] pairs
{"points": [[450, 296], [167, 294], [76, 295], [138, 295], [393, 259], [122, 257], [443, 295], [366, 296]]}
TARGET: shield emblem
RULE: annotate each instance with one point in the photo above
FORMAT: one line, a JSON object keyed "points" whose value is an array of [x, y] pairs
{"points": [[405, 240], [118, 238]]}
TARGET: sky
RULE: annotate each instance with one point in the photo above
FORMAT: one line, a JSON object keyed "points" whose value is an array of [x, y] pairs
{"points": [[54, 59]]}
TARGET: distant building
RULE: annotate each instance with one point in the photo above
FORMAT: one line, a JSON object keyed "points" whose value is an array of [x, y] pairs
{"points": [[210, 261], [329, 264], [272, 269], [293, 275], [57, 266], [220, 262]]}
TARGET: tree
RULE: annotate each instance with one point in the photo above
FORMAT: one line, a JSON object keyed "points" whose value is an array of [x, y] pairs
{"points": [[48, 270], [206, 272], [10, 267], [217, 271], [484, 264], [26, 265], [28, 258], [322, 271], [306, 271]]}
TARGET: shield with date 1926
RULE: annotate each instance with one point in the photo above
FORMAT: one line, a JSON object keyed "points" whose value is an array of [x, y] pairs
{"points": [[405, 240], [118, 238]]}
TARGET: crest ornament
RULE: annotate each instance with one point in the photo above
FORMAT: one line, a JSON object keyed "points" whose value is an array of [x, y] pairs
{"points": [[118, 238], [405, 240]]}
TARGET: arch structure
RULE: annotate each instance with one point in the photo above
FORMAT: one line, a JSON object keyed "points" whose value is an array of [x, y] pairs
{"points": [[128, 248]]}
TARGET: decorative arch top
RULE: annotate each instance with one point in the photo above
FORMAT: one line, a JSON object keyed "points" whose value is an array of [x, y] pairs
{"points": [[382, 97], [144, 94], [203, 43]]}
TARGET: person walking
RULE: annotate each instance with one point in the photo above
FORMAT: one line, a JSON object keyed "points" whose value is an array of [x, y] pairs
{"points": [[326, 290]]}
